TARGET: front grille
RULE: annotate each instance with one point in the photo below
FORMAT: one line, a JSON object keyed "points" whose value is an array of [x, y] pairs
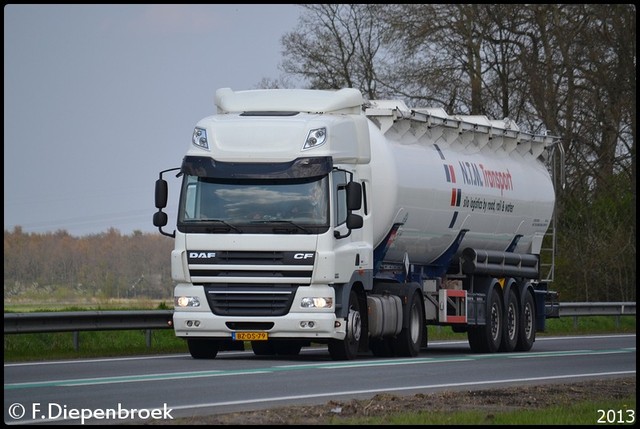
{"points": [[250, 283], [227, 299], [208, 266]]}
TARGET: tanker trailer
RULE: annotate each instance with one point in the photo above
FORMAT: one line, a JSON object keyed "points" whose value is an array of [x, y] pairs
{"points": [[316, 217]]}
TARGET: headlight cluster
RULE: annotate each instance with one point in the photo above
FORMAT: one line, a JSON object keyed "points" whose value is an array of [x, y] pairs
{"points": [[186, 301], [316, 302]]}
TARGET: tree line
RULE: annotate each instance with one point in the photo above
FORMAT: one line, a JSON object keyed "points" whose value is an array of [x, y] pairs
{"points": [[106, 265]]}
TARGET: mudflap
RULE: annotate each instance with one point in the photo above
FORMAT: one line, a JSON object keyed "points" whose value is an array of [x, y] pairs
{"points": [[547, 305]]}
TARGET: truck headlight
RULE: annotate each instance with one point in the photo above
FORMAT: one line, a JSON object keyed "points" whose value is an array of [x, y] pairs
{"points": [[186, 301], [316, 302]]}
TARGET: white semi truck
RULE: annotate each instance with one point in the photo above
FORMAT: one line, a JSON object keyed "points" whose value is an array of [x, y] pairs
{"points": [[317, 217]]}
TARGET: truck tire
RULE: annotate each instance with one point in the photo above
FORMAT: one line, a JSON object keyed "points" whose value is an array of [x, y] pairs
{"points": [[487, 338], [527, 329], [202, 348], [347, 349], [409, 341], [511, 323]]}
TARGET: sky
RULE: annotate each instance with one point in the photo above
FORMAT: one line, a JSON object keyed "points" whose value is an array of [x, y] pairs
{"points": [[98, 99]]}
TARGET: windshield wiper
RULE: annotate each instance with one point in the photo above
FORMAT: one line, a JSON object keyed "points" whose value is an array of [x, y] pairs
{"points": [[300, 227], [228, 225]]}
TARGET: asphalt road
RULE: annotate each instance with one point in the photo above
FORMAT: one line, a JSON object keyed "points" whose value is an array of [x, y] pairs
{"points": [[141, 389]]}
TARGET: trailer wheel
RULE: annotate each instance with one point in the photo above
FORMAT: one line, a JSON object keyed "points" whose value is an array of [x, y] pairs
{"points": [[527, 329], [511, 324], [487, 338], [347, 349], [409, 341], [203, 348]]}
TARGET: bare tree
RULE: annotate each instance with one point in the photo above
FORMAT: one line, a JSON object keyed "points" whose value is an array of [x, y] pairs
{"points": [[336, 46]]}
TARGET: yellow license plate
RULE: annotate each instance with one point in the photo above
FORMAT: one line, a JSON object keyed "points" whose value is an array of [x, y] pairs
{"points": [[250, 336]]}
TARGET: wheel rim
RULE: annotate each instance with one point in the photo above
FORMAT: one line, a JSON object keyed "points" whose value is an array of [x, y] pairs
{"points": [[495, 322], [354, 326], [528, 320], [511, 321]]}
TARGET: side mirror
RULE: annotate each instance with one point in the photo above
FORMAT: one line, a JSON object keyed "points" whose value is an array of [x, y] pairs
{"points": [[354, 202], [354, 196], [160, 219], [354, 221], [161, 195]]}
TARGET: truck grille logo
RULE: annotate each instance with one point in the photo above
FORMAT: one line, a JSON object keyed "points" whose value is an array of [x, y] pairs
{"points": [[202, 255], [303, 256]]}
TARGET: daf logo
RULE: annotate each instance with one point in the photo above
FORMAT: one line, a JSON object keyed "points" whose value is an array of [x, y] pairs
{"points": [[303, 255], [202, 255]]}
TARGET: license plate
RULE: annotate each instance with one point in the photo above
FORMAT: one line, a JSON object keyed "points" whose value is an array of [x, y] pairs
{"points": [[250, 336]]}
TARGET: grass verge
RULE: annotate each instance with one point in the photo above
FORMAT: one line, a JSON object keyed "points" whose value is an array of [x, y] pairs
{"points": [[607, 412]]}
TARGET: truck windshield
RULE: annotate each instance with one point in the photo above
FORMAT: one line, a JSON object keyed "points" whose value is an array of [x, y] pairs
{"points": [[255, 206]]}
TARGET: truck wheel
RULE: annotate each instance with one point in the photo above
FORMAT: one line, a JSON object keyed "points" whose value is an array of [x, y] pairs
{"points": [[347, 349], [487, 338], [527, 328], [511, 324], [202, 348], [409, 341]]}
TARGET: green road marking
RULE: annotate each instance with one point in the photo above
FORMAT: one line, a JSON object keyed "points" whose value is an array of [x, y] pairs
{"points": [[333, 365]]}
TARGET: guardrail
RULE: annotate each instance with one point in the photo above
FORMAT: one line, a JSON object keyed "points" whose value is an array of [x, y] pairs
{"points": [[577, 309], [77, 321], [65, 321]]}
